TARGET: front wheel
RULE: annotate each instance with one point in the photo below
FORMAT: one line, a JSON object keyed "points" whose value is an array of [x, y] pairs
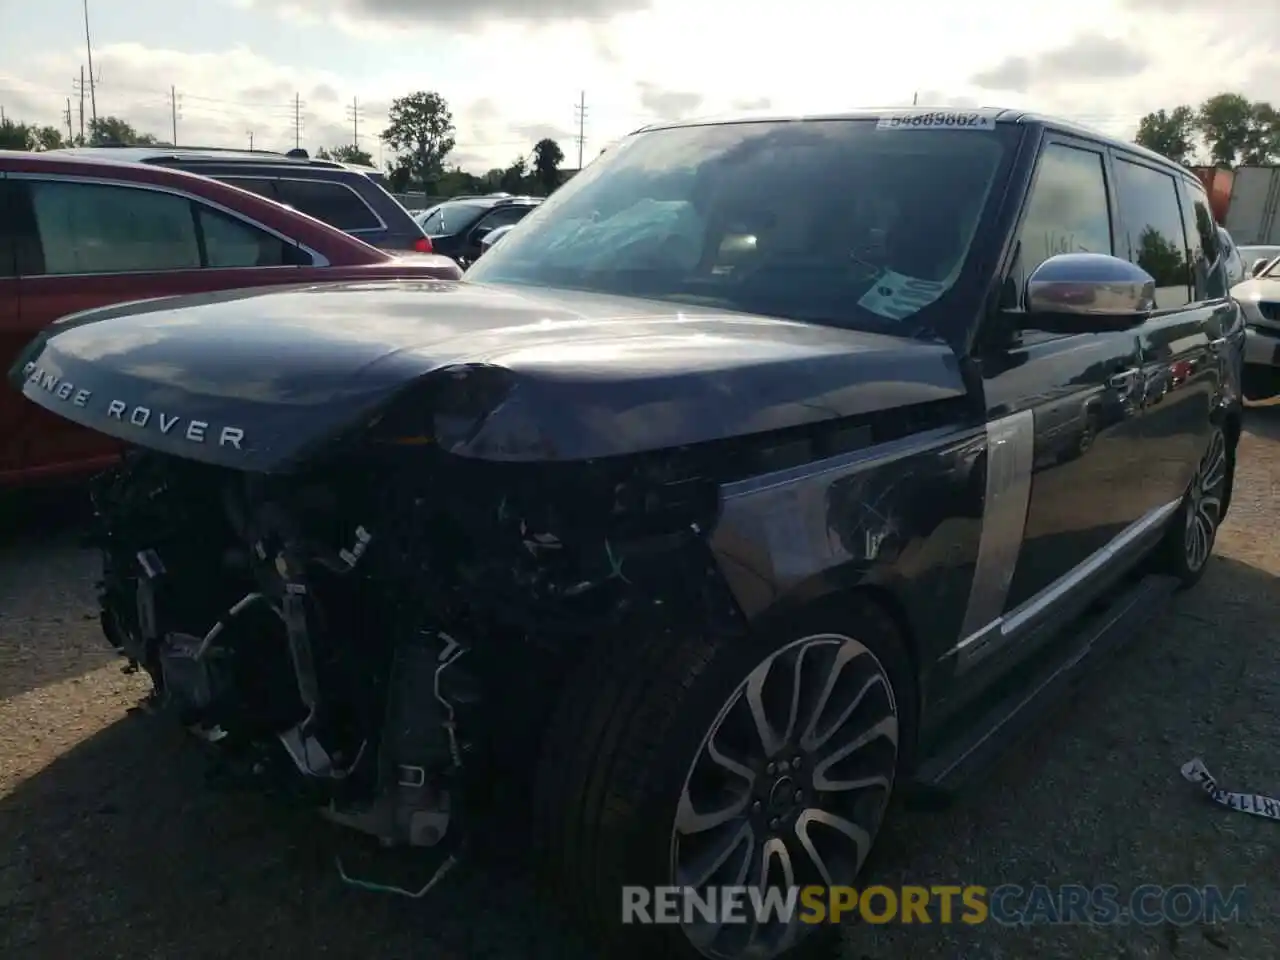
{"points": [[1188, 544], [706, 764]]}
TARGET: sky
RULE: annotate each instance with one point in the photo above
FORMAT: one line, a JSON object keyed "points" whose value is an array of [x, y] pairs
{"points": [[513, 71]]}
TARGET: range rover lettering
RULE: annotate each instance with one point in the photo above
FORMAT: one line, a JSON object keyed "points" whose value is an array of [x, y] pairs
{"points": [[769, 470]]}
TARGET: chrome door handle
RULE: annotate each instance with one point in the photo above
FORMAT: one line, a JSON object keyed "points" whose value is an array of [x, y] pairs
{"points": [[1124, 379], [1215, 346]]}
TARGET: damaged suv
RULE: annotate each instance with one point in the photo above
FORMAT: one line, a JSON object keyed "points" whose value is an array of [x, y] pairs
{"points": [[766, 470]]}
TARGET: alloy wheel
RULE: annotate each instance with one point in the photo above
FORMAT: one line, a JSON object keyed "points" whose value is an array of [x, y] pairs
{"points": [[1204, 503], [788, 786]]}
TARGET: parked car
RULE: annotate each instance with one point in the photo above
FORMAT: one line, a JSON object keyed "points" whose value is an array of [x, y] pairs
{"points": [[1256, 257], [707, 556], [351, 197], [457, 227], [78, 233], [1259, 297]]}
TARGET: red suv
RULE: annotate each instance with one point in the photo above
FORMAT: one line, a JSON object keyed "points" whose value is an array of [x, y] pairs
{"points": [[78, 233]]}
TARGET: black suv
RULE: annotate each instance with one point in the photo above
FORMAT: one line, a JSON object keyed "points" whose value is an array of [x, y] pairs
{"points": [[456, 227], [347, 196]]}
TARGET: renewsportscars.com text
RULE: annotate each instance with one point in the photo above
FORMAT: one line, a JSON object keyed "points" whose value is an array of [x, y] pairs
{"points": [[1007, 904]]}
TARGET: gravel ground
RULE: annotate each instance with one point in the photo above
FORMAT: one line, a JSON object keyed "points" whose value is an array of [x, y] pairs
{"points": [[111, 846]]}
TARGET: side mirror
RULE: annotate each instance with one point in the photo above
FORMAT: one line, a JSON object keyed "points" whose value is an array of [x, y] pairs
{"points": [[1088, 293], [1258, 266], [479, 233]]}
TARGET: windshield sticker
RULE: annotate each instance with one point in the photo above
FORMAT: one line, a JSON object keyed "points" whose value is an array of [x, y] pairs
{"points": [[912, 120], [897, 296]]}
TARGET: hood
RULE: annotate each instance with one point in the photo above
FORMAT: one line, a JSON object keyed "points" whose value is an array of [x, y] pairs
{"points": [[262, 380], [1257, 291]]}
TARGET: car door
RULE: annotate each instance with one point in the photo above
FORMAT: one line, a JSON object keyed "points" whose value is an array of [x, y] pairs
{"points": [[85, 244], [1063, 416], [499, 217], [1184, 338]]}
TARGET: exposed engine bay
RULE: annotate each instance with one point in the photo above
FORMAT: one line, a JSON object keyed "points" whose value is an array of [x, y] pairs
{"points": [[379, 636]]}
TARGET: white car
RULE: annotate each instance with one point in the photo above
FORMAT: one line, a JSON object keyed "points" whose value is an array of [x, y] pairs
{"points": [[1259, 297], [1257, 256]]}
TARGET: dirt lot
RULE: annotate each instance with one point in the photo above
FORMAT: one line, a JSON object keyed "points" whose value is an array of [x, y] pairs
{"points": [[112, 847]]}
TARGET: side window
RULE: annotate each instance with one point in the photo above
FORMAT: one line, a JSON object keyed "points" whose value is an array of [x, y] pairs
{"points": [[1067, 211], [334, 203], [96, 228], [433, 223], [504, 216], [231, 243], [1157, 242], [8, 222], [261, 186]]}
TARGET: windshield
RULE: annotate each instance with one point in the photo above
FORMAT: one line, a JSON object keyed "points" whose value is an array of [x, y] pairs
{"points": [[1272, 270], [833, 221]]}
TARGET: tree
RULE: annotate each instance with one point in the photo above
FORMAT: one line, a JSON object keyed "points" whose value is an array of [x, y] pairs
{"points": [[513, 178], [421, 128], [113, 130], [1238, 130], [1171, 133], [547, 157], [346, 154], [16, 136]]}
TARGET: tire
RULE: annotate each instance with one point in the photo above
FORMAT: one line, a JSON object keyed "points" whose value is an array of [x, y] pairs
{"points": [[634, 719], [1188, 544]]}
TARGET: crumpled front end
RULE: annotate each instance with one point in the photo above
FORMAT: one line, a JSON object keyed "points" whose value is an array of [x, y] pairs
{"points": [[380, 631]]}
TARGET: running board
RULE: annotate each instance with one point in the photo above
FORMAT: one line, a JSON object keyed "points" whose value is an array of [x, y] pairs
{"points": [[941, 776]]}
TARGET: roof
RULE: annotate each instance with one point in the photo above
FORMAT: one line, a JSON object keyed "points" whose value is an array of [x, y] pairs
{"points": [[152, 154], [995, 114]]}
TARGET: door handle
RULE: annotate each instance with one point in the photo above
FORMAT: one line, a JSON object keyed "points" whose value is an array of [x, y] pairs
{"points": [[1215, 346], [1124, 378]]}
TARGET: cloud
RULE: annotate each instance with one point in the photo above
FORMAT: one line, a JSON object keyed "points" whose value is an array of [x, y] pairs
{"points": [[533, 132], [425, 13], [759, 103], [1088, 57], [667, 104]]}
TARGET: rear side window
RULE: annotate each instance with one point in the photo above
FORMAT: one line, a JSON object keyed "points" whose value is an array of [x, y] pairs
{"points": [[231, 243], [457, 217], [334, 203], [1067, 211], [431, 223], [1154, 229], [96, 228]]}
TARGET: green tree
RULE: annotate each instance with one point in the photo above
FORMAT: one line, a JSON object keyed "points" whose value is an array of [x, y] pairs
{"points": [[1170, 133], [515, 177], [1161, 258], [547, 157], [50, 138], [16, 136], [346, 154], [421, 128], [1238, 130], [113, 130]]}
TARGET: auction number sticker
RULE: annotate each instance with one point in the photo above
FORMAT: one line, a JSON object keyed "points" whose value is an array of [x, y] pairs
{"points": [[936, 121]]}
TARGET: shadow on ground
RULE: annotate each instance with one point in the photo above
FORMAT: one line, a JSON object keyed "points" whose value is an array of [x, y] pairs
{"points": [[119, 848]]}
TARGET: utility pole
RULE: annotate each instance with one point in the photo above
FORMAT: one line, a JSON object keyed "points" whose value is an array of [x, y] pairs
{"points": [[67, 116], [93, 96], [297, 120], [175, 104], [354, 112], [80, 88], [250, 141], [915, 99], [3, 121], [581, 110]]}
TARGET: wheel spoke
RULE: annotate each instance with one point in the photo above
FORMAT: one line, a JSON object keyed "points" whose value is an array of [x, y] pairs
{"points": [[705, 867], [770, 740], [810, 740], [689, 820], [858, 837], [885, 727], [1213, 471]]}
